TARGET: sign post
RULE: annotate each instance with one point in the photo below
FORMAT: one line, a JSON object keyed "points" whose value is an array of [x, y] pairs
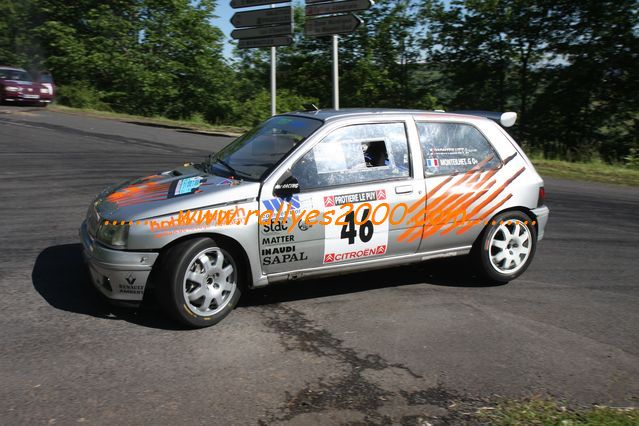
{"points": [[332, 25], [270, 27], [273, 81], [335, 72]]}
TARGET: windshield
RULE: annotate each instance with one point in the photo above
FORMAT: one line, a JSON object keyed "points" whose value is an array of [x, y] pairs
{"points": [[254, 154], [6, 74]]}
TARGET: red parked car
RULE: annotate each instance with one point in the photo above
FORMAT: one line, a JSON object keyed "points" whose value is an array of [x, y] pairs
{"points": [[17, 86]]}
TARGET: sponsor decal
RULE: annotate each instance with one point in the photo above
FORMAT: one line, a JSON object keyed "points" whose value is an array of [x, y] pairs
{"points": [[187, 186], [354, 254], [134, 289], [282, 254], [357, 232], [130, 279], [459, 162], [274, 227], [432, 162], [355, 197], [229, 182], [267, 241], [274, 203], [303, 226], [277, 250], [329, 201]]}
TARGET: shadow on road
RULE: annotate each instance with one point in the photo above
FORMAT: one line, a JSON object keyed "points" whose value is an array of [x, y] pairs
{"points": [[453, 272], [61, 277]]}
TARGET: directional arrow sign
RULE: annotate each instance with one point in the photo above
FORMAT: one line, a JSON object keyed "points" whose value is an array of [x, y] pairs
{"points": [[265, 42], [255, 18], [236, 4], [340, 24], [337, 7], [262, 31]]}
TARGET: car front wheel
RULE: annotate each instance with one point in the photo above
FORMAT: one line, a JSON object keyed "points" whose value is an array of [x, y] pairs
{"points": [[506, 247], [198, 282]]}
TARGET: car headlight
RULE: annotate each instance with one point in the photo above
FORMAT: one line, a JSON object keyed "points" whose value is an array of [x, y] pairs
{"points": [[44, 90], [12, 88], [113, 235]]}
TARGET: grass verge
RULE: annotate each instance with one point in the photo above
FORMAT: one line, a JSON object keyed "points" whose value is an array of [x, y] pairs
{"points": [[594, 171], [196, 124], [547, 412]]}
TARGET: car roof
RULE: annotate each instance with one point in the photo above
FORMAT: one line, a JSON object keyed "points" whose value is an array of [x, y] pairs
{"points": [[331, 114]]}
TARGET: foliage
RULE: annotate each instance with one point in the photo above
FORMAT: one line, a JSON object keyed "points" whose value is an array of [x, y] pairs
{"points": [[547, 412], [82, 95]]}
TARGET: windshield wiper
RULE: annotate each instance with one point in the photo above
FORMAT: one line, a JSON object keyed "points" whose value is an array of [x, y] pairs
{"points": [[229, 168], [212, 160], [235, 174]]}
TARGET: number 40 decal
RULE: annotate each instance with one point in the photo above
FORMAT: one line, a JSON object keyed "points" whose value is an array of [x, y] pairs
{"points": [[364, 232]]}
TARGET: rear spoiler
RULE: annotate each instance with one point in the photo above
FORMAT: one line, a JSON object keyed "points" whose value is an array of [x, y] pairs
{"points": [[506, 119]]}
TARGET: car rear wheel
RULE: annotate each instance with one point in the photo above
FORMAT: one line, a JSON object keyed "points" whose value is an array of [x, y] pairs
{"points": [[198, 282], [506, 247]]}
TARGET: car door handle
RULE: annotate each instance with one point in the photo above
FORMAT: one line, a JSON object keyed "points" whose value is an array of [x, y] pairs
{"points": [[404, 189]]}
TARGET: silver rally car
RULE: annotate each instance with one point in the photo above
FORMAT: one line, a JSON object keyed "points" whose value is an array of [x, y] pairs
{"points": [[318, 193]]}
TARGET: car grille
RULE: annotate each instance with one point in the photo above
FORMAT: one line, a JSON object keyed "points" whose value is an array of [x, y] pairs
{"points": [[93, 221]]}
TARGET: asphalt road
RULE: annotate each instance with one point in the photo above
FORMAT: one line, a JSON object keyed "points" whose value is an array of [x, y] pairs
{"points": [[391, 346]]}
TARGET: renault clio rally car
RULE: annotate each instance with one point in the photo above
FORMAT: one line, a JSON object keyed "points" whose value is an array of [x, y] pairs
{"points": [[373, 189]]}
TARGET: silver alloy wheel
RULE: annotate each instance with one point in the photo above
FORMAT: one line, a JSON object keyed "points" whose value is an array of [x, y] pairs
{"points": [[210, 281], [510, 246]]}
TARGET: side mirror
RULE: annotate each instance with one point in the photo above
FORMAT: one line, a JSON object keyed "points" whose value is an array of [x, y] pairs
{"points": [[286, 186]]}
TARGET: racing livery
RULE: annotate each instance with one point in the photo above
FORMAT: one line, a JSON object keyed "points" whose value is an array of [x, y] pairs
{"points": [[318, 193]]}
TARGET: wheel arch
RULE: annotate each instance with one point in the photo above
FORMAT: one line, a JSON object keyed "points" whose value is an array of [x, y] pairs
{"points": [[522, 209], [233, 243]]}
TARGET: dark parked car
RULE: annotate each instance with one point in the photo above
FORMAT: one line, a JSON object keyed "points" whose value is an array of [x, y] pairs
{"points": [[18, 86]]}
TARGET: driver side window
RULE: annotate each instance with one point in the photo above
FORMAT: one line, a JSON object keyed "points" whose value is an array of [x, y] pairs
{"points": [[355, 154]]}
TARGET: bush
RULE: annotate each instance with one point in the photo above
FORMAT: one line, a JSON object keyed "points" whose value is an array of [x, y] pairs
{"points": [[81, 95], [253, 111], [632, 159]]}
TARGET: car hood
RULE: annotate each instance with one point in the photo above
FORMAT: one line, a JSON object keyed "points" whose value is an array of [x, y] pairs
{"points": [[22, 83], [185, 188]]}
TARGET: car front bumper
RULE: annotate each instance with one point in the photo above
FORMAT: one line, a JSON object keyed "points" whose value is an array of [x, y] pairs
{"points": [[26, 97], [119, 275], [542, 219]]}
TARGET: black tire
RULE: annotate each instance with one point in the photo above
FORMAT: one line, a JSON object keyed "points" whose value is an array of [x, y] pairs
{"points": [[492, 234], [171, 283]]}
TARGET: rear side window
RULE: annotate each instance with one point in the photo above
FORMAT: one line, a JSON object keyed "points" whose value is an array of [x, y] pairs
{"points": [[454, 148]]}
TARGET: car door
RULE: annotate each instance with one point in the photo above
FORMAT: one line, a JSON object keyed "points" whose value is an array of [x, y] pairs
{"points": [[358, 181], [459, 167]]}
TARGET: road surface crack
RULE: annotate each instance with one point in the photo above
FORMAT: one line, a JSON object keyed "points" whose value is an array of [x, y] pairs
{"points": [[357, 390]]}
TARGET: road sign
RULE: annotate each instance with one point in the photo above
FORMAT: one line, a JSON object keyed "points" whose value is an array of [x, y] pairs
{"points": [[236, 4], [256, 32], [250, 43], [254, 18], [337, 7], [331, 25]]}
